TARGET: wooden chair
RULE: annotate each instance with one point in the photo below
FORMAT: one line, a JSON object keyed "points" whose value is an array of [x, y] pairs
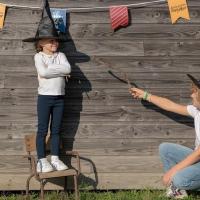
{"points": [[30, 142]]}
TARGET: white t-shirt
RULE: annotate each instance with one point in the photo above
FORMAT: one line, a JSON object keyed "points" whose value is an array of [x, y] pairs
{"points": [[195, 113], [51, 70]]}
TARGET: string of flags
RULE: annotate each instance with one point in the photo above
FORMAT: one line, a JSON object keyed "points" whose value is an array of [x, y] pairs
{"points": [[119, 15]]}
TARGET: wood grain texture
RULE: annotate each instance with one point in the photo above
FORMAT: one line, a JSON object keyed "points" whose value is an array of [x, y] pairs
{"points": [[101, 146], [117, 137], [105, 181], [92, 164], [147, 15], [92, 3]]}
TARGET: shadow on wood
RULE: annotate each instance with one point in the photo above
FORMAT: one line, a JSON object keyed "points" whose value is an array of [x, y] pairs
{"points": [[176, 117], [77, 85]]}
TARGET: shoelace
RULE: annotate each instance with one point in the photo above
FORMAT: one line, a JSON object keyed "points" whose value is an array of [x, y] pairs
{"points": [[40, 163], [175, 190]]}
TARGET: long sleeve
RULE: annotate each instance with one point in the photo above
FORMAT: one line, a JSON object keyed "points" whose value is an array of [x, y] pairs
{"points": [[64, 65], [52, 70]]}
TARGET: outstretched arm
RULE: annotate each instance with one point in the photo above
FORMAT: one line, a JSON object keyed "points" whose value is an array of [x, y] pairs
{"points": [[161, 102]]}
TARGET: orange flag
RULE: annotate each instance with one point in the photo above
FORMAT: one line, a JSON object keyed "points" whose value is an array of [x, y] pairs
{"points": [[2, 14], [178, 8]]}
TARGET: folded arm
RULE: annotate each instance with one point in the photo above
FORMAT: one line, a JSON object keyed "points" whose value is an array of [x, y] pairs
{"points": [[52, 70]]}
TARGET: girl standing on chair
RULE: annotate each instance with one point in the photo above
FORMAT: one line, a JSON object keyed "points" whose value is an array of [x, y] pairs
{"points": [[52, 68]]}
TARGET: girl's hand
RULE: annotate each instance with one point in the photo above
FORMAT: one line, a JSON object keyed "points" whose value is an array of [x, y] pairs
{"points": [[137, 93]]}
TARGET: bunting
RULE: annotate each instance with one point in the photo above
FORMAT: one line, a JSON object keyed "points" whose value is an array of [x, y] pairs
{"points": [[59, 17], [2, 14], [119, 16], [178, 8]]}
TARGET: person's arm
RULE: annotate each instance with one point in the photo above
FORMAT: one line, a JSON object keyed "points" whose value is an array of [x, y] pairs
{"points": [[161, 102], [190, 160], [45, 71], [63, 66]]}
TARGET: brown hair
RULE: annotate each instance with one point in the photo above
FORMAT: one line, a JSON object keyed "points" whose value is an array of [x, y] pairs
{"points": [[196, 89], [38, 46]]}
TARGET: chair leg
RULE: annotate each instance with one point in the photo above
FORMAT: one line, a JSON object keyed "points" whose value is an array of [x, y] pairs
{"points": [[42, 190], [27, 185], [76, 188], [65, 184]]}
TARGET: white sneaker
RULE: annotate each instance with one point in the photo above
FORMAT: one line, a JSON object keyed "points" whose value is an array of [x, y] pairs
{"points": [[44, 166], [174, 192], [58, 164]]}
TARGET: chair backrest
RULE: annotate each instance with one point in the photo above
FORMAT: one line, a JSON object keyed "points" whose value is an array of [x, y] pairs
{"points": [[30, 142]]}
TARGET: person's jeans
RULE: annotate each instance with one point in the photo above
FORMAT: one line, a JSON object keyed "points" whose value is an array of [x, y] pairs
{"points": [[49, 107], [187, 178]]}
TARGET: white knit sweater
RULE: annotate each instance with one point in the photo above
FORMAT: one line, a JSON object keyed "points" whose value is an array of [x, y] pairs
{"points": [[51, 70]]}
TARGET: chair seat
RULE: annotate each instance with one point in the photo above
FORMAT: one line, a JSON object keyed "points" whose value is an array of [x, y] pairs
{"points": [[54, 174]]}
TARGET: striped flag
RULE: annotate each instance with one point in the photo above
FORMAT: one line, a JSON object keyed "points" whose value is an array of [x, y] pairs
{"points": [[119, 16]]}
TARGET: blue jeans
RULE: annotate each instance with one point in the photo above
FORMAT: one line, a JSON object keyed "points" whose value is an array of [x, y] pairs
{"points": [[49, 107], [187, 178]]}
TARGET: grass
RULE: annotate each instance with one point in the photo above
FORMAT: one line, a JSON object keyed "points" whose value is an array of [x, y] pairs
{"points": [[118, 195]]}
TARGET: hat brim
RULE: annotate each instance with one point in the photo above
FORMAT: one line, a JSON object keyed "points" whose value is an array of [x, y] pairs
{"points": [[35, 39], [194, 80]]}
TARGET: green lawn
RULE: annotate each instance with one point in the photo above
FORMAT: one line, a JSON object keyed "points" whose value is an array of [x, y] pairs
{"points": [[120, 195]]}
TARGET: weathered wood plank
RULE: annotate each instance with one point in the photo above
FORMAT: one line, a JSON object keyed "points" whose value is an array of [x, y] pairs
{"points": [[115, 48], [129, 131], [111, 47], [12, 64], [22, 16], [99, 64], [2, 78], [78, 81], [92, 3], [168, 48], [101, 146], [16, 47], [103, 31], [136, 31], [104, 48], [159, 15], [101, 97], [99, 113], [102, 164], [105, 181], [33, 3], [132, 48], [18, 31], [83, 130]]}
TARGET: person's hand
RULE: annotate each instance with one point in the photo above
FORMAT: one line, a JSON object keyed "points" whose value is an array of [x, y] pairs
{"points": [[167, 178], [137, 93]]}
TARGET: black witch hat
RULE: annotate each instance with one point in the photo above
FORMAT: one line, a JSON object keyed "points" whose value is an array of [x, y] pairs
{"points": [[194, 81], [46, 28]]}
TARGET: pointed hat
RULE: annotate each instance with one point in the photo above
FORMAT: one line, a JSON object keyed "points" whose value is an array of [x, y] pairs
{"points": [[46, 28], [194, 80]]}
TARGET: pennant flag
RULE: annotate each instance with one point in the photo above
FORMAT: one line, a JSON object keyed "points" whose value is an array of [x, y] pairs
{"points": [[119, 16], [2, 14], [178, 8], [59, 17]]}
